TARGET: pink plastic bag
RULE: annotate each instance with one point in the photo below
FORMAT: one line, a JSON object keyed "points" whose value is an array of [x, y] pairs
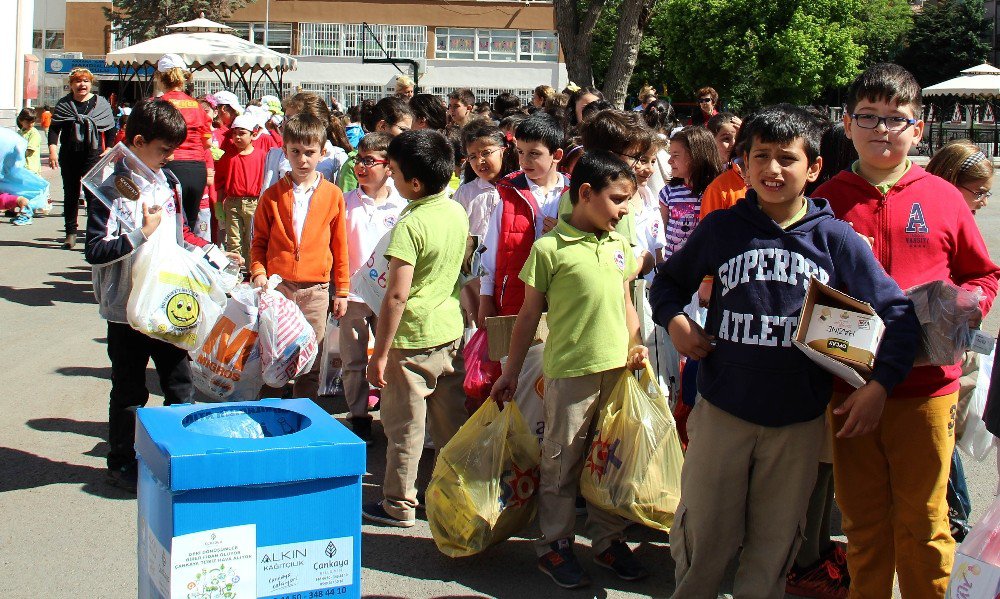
{"points": [[480, 371]]}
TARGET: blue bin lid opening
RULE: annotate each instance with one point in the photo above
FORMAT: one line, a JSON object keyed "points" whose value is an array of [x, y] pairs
{"points": [[245, 422]]}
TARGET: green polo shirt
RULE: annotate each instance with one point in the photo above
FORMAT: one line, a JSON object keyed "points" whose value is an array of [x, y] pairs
{"points": [[431, 235], [582, 277], [884, 187], [625, 227]]}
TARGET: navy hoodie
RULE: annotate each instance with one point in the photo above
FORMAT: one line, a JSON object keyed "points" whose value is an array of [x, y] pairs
{"points": [[759, 275]]}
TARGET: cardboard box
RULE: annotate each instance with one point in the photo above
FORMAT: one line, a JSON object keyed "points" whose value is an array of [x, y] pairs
{"points": [[839, 333], [973, 579], [256, 499], [499, 330]]}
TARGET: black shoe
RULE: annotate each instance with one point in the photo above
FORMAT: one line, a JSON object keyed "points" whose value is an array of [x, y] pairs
{"points": [[374, 512], [618, 557], [421, 500], [70, 241], [563, 567], [362, 427], [125, 478]]}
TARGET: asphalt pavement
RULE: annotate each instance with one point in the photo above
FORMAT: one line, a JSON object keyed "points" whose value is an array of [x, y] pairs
{"points": [[63, 532]]}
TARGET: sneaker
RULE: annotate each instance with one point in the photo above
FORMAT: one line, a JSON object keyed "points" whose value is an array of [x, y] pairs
{"points": [[362, 427], [563, 567], [421, 500], [838, 555], [375, 512], [618, 558], [70, 241], [23, 218], [125, 478], [821, 581]]}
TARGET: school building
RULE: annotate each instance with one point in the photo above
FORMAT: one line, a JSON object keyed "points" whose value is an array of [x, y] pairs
{"points": [[486, 45]]}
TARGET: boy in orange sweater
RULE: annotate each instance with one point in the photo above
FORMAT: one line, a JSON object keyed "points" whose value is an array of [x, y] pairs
{"points": [[300, 234]]}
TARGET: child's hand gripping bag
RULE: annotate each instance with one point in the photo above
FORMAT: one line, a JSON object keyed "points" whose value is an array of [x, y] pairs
{"points": [[288, 343], [227, 366], [633, 467], [175, 294], [484, 483], [480, 371]]}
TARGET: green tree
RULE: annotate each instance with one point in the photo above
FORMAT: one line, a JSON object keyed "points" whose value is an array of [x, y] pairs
{"points": [[141, 20], [763, 51], [947, 37], [883, 26], [651, 62]]}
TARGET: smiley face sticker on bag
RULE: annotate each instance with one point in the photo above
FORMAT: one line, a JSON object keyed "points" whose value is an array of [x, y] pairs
{"points": [[182, 309]]}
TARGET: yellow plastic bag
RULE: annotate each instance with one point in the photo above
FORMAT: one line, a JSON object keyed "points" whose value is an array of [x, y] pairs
{"points": [[633, 468], [484, 483]]}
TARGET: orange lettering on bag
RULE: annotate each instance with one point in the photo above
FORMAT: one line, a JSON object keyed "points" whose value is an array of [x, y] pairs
{"points": [[225, 347]]}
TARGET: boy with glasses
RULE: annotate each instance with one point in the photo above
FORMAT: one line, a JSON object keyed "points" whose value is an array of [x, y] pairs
{"points": [[372, 210], [891, 484]]}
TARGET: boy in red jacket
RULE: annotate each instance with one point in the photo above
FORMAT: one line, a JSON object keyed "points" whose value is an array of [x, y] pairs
{"points": [[891, 483]]}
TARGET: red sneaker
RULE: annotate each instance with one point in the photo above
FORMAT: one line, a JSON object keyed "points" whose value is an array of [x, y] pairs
{"points": [[838, 555], [822, 581]]}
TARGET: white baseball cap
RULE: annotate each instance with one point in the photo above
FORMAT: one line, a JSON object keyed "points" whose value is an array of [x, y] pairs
{"points": [[170, 61], [245, 121], [229, 99]]}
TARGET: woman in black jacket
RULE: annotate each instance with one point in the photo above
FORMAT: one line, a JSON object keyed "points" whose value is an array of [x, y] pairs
{"points": [[83, 126]]}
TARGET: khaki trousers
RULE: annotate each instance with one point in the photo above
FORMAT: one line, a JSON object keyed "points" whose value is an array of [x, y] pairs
{"points": [[355, 327], [571, 405], [892, 489], [314, 301], [239, 225], [742, 484], [422, 385]]}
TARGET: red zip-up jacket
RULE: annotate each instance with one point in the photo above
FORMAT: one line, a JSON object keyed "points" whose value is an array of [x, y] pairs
{"points": [[923, 231]]}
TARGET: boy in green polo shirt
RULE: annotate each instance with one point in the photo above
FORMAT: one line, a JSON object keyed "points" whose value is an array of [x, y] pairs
{"points": [[416, 360], [580, 270]]}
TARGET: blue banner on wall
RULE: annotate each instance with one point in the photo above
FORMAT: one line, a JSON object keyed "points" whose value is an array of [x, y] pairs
{"points": [[94, 65]]}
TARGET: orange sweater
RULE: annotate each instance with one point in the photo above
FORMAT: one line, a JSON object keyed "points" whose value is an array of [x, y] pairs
{"points": [[727, 189], [320, 256]]}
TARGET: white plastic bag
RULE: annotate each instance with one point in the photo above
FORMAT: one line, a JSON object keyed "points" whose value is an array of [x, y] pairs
{"points": [[287, 341], [175, 294], [331, 369], [975, 440], [531, 391], [371, 278], [227, 366]]}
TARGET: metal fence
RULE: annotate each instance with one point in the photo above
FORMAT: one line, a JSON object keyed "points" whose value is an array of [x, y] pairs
{"points": [[975, 122]]}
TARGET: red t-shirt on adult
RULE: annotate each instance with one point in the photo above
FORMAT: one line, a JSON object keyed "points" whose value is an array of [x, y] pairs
{"points": [[199, 128]]}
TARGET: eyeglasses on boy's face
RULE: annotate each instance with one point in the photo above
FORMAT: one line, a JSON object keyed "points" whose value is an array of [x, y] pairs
{"points": [[872, 121], [369, 162]]}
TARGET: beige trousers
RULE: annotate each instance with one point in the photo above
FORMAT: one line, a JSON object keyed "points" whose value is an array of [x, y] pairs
{"points": [[742, 484], [239, 225], [355, 327], [571, 405], [421, 385]]}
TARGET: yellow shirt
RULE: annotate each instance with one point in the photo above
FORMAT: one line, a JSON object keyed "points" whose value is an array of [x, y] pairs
{"points": [[582, 277]]}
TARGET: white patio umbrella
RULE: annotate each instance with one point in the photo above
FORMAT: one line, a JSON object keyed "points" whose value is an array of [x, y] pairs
{"points": [[982, 81]]}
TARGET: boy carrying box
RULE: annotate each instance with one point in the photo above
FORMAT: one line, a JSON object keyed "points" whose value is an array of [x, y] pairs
{"points": [[757, 428], [581, 270], [892, 484], [373, 208], [300, 234], [416, 360]]}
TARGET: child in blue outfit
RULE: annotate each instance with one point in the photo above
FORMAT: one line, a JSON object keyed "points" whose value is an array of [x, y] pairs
{"points": [[757, 428]]}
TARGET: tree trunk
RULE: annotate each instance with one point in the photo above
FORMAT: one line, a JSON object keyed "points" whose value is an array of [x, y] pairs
{"points": [[575, 28], [634, 17]]}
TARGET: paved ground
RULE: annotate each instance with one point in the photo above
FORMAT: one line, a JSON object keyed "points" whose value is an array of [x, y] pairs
{"points": [[64, 532]]}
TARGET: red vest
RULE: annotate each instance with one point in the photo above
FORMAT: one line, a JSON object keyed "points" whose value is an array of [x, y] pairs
{"points": [[517, 233]]}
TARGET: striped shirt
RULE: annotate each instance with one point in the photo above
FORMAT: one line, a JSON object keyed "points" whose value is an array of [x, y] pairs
{"points": [[683, 208]]}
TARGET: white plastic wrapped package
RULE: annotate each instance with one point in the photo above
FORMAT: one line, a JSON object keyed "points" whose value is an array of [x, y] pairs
{"points": [[944, 311], [975, 439], [175, 294], [288, 343], [227, 366], [531, 391], [331, 369]]}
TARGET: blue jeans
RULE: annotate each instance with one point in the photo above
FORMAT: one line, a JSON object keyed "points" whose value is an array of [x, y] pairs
{"points": [[959, 505]]}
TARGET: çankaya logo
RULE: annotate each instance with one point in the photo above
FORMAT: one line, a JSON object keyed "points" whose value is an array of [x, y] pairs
{"points": [[331, 550]]}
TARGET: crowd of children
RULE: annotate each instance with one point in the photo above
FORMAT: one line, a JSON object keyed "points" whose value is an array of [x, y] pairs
{"points": [[570, 202]]}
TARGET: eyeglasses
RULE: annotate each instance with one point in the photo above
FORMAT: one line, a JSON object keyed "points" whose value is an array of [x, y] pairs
{"points": [[704, 100], [484, 155], [980, 195], [369, 162], [633, 161], [892, 123]]}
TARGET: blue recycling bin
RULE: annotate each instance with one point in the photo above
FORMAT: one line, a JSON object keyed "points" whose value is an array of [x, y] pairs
{"points": [[250, 499]]}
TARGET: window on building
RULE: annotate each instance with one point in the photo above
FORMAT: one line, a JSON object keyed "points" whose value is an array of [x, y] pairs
{"points": [[351, 40], [484, 94], [496, 44], [279, 35], [53, 39]]}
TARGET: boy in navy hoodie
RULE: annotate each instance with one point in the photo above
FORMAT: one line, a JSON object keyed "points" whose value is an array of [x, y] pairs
{"points": [[757, 428]]}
